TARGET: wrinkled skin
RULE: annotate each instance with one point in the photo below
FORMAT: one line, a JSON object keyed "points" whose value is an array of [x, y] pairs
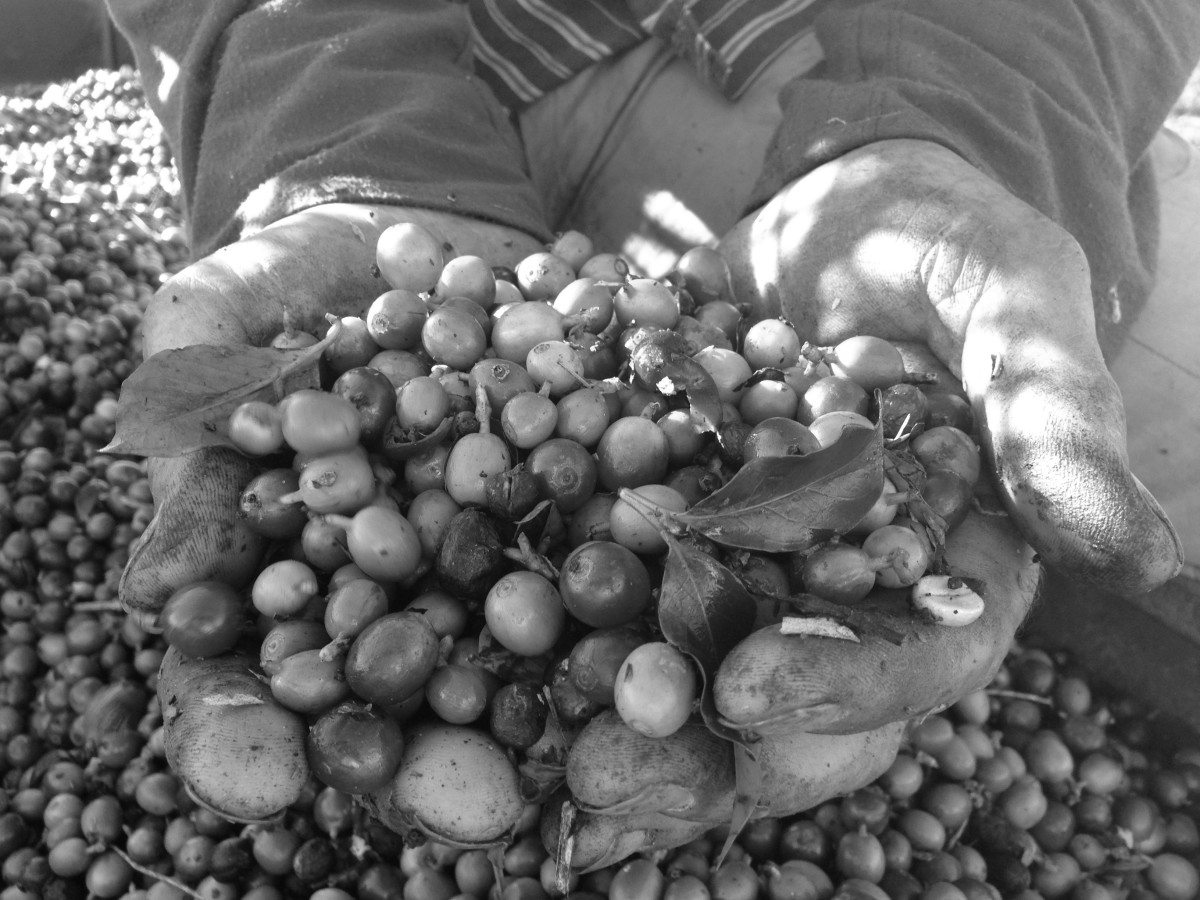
{"points": [[899, 239]]}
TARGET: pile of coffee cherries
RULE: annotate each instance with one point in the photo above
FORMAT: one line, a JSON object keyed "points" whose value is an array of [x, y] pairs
{"points": [[462, 554]]}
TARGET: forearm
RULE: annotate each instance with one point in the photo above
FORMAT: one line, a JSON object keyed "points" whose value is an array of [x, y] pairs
{"points": [[273, 108], [1057, 101]]}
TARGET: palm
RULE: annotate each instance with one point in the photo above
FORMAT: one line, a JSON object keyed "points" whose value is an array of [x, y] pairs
{"points": [[905, 240]]}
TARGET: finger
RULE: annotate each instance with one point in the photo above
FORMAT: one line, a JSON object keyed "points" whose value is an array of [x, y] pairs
{"points": [[1053, 428], [688, 775], [309, 264], [196, 533], [595, 841], [803, 770], [775, 683], [231, 744]]}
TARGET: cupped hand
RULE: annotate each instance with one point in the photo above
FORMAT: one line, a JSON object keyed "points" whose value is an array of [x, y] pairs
{"points": [[296, 271], [234, 748], [906, 241]]}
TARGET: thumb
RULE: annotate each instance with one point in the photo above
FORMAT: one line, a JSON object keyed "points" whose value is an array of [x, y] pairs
{"points": [[197, 533], [1053, 425]]}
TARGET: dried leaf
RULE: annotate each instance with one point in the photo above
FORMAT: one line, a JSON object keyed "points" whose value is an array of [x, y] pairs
{"points": [[179, 401], [785, 503], [884, 618], [817, 626]]}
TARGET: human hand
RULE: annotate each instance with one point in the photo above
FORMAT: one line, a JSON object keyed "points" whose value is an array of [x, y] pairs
{"points": [[906, 241], [299, 269]]}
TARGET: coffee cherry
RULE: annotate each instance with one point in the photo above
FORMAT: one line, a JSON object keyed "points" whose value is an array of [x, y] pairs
{"points": [[409, 257], [203, 619], [655, 689]]}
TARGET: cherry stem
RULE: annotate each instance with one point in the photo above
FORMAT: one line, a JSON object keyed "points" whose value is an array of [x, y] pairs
{"points": [[524, 554], [138, 867], [336, 647], [483, 410]]}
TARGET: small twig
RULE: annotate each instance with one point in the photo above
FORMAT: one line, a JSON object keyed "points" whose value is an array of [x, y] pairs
{"points": [[138, 867], [1019, 695]]}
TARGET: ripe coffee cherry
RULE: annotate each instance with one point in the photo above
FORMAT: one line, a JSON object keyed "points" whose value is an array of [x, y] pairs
{"points": [[409, 257], [555, 366], [778, 436], [306, 682], [338, 482], [203, 619], [467, 276], [705, 274], [395, 319], [315, 422], [771, 342], [472, 460], [729, 370], [870, 362], [351, 344], [574, 247], [633, 529], [828, 428], [290, 637], [522, 326], [540, 276], [840, 573], [353, 606], [392, 658], [528, 419], [655, 689], [256, 428], [767, 399], [563, 471], [354, 747], [383, 543], [946, 447], [906, 555], [604, 584], [646, 301], [525, 613], [284, 588], [587, 301], [833, 393], [453, 337], [264, 510], [597, 658], [372, 395], [421, 403], [633, 451]]}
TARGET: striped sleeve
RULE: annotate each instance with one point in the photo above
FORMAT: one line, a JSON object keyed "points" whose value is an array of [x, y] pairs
{"points": [[728, 41], [525, 48]]}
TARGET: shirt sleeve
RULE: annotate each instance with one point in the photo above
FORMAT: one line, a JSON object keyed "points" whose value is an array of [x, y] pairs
{"points": [[273, 107], [1058, 101]]}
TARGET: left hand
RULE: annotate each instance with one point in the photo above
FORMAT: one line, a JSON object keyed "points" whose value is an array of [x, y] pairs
{"points": [[905, 240]]}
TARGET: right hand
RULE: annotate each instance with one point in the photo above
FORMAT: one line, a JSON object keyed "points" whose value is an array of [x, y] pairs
{"points": [[314, 262], [233, 749]]}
